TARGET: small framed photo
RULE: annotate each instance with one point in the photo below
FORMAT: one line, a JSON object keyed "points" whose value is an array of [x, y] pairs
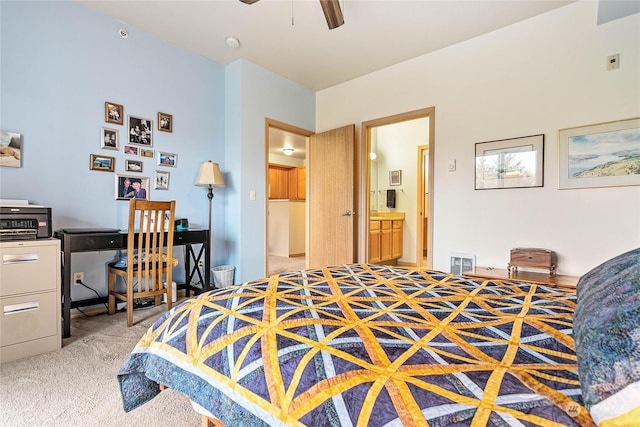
{"points": [[161, 180], [131, 150], [101, 163], [10, 149], [133, 165], [395, 177], [110, 139], [599, 155], [510, 163], [165, 122], [167, 159], [113, 113], [140, 131], [145, 152], [132, 187]]}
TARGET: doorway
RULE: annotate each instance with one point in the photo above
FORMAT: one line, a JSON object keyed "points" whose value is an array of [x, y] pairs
{"points": [[399, 160], [285, 231]]}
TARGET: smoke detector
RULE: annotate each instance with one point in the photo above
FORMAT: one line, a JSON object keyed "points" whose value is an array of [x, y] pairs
{"points": [[123, 33], [233, 42]]}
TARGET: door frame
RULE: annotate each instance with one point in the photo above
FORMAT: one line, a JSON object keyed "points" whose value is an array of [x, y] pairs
{"points": [[271, 123], [365, 164]]}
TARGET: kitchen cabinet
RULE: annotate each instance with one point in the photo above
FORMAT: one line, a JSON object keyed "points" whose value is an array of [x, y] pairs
{"points": [[286, 182]]}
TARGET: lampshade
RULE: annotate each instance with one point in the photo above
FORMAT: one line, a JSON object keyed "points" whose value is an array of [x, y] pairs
{"points": [[209, 175]]}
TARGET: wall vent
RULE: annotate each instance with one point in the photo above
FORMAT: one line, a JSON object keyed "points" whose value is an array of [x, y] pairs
{"points": [[459, 263]]}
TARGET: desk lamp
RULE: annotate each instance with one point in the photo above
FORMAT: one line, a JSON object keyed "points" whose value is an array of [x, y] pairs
{"points": [[209, 176]]}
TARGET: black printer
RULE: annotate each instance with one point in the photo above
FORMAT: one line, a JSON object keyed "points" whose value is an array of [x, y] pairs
{"points": [[23, 222]]}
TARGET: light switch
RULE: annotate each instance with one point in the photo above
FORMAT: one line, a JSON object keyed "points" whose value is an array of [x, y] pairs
{"points": [[452, 165], [252, 195]]}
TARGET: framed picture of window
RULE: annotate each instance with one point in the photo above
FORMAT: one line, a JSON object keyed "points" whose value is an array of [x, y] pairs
{"points": [[599, 155], [510, 163]]}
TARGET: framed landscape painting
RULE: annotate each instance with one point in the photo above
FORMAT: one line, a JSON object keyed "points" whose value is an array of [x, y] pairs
{"points": [[510, 163], [600, 155], [101, 163]]}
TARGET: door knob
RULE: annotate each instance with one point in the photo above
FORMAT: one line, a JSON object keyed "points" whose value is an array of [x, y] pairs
{"points": [[349, 213]]}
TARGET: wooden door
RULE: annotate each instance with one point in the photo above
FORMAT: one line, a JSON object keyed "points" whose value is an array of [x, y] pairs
{"points": [[330, 179]]}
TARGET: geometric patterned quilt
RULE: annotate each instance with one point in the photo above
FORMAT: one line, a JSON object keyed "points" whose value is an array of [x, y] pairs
{"points": [[367, 345]]}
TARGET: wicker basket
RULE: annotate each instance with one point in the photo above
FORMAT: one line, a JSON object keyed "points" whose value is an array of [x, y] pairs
{"points": [[223, 275]]}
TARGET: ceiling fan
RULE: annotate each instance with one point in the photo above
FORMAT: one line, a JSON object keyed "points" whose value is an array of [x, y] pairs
{"points": [[331, 9]]}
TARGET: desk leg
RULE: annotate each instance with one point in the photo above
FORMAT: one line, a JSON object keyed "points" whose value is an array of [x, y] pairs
{"points": [[66, 288], [190, 272], [207, 264]]}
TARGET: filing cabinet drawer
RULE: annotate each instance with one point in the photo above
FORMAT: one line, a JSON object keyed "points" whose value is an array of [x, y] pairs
{"points": [[29, 317], [29, 266]]}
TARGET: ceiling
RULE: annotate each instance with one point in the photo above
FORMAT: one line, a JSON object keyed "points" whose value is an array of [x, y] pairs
{"points": [[291, 37]]}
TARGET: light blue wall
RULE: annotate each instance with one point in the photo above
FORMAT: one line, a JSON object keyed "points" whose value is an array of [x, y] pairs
{"points": [[252, 95], [60, 62]]}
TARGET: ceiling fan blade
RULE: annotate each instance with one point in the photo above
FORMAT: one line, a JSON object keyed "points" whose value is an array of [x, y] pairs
{"points": [[248, 1], [332, 13]]}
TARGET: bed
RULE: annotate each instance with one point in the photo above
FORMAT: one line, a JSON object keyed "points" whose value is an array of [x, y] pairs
{"points": [[367, 345]]}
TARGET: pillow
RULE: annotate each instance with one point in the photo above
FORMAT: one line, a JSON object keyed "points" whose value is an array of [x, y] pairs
{"points": [[607, 337]]}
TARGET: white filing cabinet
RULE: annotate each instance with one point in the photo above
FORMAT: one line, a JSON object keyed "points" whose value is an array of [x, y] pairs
{"points": [[29, 298]]}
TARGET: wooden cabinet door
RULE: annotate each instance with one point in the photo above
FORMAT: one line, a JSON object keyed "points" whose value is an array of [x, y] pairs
{"points": [[385, 240], [396, 240], [293, 184], [278, 182], [301, 174], [284, 183], [274, 182], [374, 242]]}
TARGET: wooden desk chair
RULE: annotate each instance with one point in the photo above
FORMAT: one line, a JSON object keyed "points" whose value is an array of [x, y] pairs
{"points": [[149, 256]]}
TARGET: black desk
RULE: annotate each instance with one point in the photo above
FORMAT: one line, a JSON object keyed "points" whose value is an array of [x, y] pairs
{"points": [[93, 242]]}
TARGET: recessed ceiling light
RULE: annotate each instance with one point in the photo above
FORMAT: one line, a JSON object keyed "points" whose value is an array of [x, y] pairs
{"points": [[287, 151], [232, 41]]}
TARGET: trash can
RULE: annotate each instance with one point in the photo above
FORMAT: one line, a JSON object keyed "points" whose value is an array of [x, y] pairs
{"points": [[174, 293], [223, 275]]}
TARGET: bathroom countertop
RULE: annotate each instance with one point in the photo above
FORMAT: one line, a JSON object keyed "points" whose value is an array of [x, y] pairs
{"points": [[380, 216]]}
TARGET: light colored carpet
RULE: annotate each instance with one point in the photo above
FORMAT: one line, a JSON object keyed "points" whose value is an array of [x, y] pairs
{"points": [[77, 385], [280, 264]]}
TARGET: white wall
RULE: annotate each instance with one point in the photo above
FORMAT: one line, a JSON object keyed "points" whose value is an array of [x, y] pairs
{"points": [[286, 227], [537, 76], [252, 95]]}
